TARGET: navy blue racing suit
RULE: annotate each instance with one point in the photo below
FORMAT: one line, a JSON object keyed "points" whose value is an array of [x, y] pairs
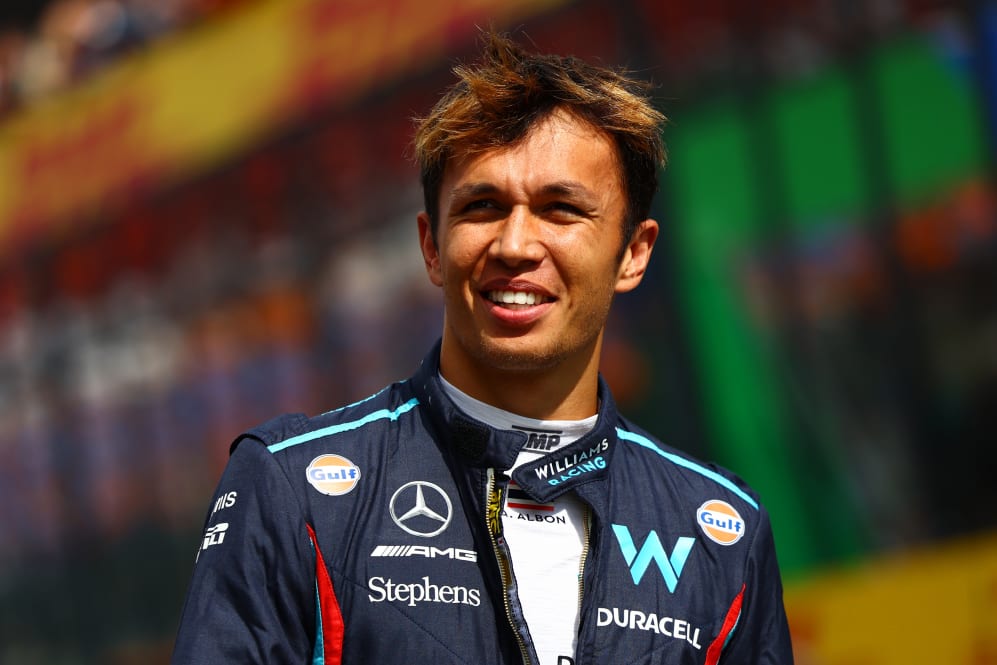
{"points": [[372, 534]]}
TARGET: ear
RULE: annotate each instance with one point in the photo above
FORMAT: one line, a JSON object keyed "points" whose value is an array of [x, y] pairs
{"points": [[637, 256], [430, 255]]}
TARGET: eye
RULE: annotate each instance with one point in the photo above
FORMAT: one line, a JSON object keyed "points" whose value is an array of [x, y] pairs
{"points": [[563, 207], [479, 204]]}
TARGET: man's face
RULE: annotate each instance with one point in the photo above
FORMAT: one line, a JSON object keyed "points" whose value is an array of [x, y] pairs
{"points": [[527, 250]]}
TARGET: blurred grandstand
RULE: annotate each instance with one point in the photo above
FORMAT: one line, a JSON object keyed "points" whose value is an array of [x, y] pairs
{"points": [[207, 218], [49, 45]]}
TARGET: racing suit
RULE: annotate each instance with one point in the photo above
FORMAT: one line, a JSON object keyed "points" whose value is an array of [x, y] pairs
{"points": [[372, 534]]}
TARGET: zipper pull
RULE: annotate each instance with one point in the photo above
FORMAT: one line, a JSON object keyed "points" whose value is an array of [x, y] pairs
{"points": [[496, 499]]}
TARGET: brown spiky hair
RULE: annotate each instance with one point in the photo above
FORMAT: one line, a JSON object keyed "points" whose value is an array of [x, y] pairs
{"points": [[496, 102]]}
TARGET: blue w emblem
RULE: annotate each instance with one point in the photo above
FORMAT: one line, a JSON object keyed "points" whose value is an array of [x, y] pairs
{"points": [[670, 565]]}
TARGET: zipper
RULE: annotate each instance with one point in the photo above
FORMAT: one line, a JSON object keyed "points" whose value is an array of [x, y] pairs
{"points": [[493, 517], [586, 533], [586, 540]]}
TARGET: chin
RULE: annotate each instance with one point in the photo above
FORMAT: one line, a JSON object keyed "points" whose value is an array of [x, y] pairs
{"points": [[515, 356]]}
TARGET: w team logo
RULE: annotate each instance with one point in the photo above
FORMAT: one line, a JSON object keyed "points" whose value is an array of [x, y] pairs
{"points": [[720, 522], [332, 474], [670, 565]]}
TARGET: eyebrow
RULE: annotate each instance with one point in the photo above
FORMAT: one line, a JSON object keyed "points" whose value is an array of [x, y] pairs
{"points": [[471, 190], [558, 188], [567, 188]]}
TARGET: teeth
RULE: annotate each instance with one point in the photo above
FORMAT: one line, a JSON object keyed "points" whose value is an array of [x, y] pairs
{"points": [[514, 297]]}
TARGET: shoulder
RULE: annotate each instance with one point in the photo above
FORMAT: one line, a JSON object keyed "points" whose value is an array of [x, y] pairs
{"points": [[348, 429], [697, 484]]}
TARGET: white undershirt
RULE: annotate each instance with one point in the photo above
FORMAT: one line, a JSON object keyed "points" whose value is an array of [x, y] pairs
{"points": [[545, 540]]}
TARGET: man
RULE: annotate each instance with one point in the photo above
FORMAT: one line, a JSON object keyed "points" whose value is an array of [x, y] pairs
{"points": [[495, 508]]}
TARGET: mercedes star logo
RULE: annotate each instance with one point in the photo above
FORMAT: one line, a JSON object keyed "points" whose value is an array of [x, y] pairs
{"points": [[421, 519]]}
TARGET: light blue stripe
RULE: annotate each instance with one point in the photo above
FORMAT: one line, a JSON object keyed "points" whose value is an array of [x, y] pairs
{"points": [[345, 427], [318, 653], [681, 461], [358, 402]]}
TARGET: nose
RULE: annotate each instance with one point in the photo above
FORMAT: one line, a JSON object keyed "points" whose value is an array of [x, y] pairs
{"points": [[518, 239]]}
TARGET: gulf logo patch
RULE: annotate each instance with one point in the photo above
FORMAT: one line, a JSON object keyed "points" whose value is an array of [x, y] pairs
{"points": [[333, 474], [720, 522]]}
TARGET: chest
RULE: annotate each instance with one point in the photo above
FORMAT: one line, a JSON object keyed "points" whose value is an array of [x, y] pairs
{"points": [[419, 569]]}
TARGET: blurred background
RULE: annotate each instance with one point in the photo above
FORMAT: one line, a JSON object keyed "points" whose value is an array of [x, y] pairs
{"points": [[207, 218]]}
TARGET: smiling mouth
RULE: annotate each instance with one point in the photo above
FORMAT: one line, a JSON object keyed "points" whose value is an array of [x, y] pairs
{"points": [[516, 299]]}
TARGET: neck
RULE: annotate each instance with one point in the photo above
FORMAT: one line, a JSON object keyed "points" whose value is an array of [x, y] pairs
{"points": [[568, 390]]}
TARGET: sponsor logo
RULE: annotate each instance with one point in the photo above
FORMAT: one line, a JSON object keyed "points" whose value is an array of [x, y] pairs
{"points": [[332, 474], [572, 466], [424, 551], [540, 441], [720, 522], [678, 629], [412, 594], [226, 500], [421, 509], [213, 535], [520, 500], [670, 565]]}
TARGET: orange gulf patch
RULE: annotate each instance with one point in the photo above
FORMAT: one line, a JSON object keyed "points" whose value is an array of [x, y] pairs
{"points": [[720, 522], [332, 474]]}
